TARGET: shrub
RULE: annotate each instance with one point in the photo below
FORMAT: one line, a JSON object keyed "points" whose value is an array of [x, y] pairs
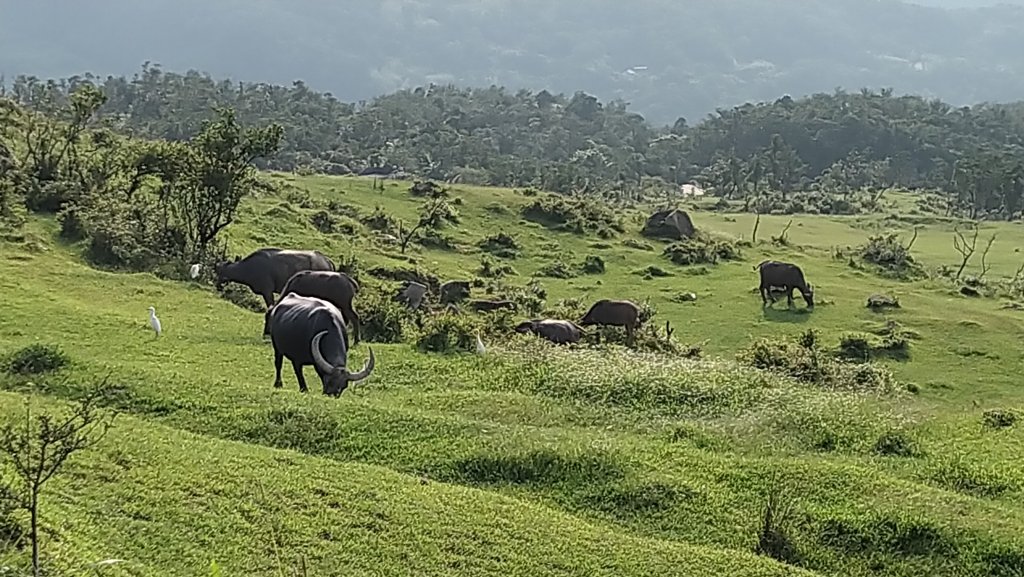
{"points": [[702, 249], [381, 320], [529, 299], [445, 333], [381, 221], [999, 418], [637, 244], [557, 269], [36, 359], [886, 252], [490, 268], [432, 239], [653, 271], [895, 443], [502, 245], [323, 221], [573, 215], [593, 264], [804, 361], [244, 297], [855, 347]]}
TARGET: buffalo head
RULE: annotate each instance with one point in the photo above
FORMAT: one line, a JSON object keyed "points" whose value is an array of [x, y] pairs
{"points": [[336, 379]]}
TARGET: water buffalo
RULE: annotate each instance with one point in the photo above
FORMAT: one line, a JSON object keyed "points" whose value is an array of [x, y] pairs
{"points": [[556, 331], [311, 331], [619, 313], [454, 291], [336, 288], [267, 270], [494, 305], [786, 275], [411, 294]]}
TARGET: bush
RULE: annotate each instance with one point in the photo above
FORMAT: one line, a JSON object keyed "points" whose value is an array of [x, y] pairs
{"points": [[574, 215], [702, 249], [895, 443], [36, 359], [490, 268], [323, 221], [999, 418], [381, 320], [593, 264], [432, 239], [637, 244], [381, 221], [243, 296], [445, 333], [886, 252], [653, 272], [855, 347], [804, 361], [557, 269], [501, 245]]}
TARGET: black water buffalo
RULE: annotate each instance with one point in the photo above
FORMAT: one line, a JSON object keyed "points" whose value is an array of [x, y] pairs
{"points": [[556, 331], [492, 305], [311, 331], [267, 270], [619, 313], [411, 295], [337, 288], [784, 275], [454, 291]]}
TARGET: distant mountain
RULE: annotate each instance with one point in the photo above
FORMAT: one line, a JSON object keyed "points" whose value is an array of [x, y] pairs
{"points": [[666, 57]]}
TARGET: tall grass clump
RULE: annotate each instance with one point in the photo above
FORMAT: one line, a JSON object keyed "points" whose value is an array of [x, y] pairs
{"points": [[702, 249]]}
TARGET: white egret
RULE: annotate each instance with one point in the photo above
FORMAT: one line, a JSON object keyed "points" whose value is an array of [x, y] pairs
{"points": [[193, 271], [480, 345], [153, 321]]}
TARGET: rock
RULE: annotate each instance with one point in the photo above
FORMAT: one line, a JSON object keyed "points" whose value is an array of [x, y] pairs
{"points": [[968, 291], [669, 224], [880, 301]]}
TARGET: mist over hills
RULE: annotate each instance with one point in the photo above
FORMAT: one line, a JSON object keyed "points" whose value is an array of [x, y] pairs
{"points": [[667, 58]]}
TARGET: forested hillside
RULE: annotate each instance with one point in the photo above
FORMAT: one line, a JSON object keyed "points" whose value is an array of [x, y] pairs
{"points": [[668, 58], [828, 153]]}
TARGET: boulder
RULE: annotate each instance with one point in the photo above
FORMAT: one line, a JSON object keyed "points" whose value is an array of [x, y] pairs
{"points": [[671, 224]]}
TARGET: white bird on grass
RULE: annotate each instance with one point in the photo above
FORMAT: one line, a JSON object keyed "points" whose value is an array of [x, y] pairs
{"points": [[154, 322], [480, 345], [193, 271]]}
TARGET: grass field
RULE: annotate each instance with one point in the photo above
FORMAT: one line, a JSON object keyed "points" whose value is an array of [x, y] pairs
{"points": [[531, 460]]}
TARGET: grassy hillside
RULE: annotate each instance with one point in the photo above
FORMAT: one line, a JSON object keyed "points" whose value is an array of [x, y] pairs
{"points": [[531, 460]]}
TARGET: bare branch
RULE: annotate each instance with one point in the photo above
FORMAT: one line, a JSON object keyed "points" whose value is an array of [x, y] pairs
{"points": [[985, 265], [913, 239], [965, 247]]}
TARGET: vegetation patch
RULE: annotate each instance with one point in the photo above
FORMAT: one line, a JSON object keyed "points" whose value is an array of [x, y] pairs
{"points": [[501, 245], [702, 249], [579, 216], [803, 360], [36, 359], [890, 257]]}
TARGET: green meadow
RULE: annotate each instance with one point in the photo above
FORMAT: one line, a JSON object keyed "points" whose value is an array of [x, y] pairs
{"points": [[533, 459]]}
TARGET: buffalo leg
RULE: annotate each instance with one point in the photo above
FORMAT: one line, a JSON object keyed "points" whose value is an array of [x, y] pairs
{"points": [[789, 296], [629, 335], [299, 376], [355, 325], [764, 296], [278, 361]]}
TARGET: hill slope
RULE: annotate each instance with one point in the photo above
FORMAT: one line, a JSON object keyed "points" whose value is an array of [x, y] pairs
{"points": [[532, 460]]}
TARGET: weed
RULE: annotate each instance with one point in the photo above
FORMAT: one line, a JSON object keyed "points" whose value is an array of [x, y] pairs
{"points": [[501, 245], [999, 418], [593, 265]]}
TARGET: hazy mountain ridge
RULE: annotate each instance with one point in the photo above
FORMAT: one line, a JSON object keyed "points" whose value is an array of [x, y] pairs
{"points": [[666, 58]]}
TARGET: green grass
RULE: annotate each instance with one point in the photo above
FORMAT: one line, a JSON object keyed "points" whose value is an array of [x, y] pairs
{"points": [[534, 460]]}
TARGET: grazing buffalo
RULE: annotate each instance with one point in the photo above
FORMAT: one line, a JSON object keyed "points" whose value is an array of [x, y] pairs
{"points": [[311, 331], [267, 270], [411, 294], [614, 313], [336, 288], [454, 291], [784, 275], [487, 306], [556, 331]]}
